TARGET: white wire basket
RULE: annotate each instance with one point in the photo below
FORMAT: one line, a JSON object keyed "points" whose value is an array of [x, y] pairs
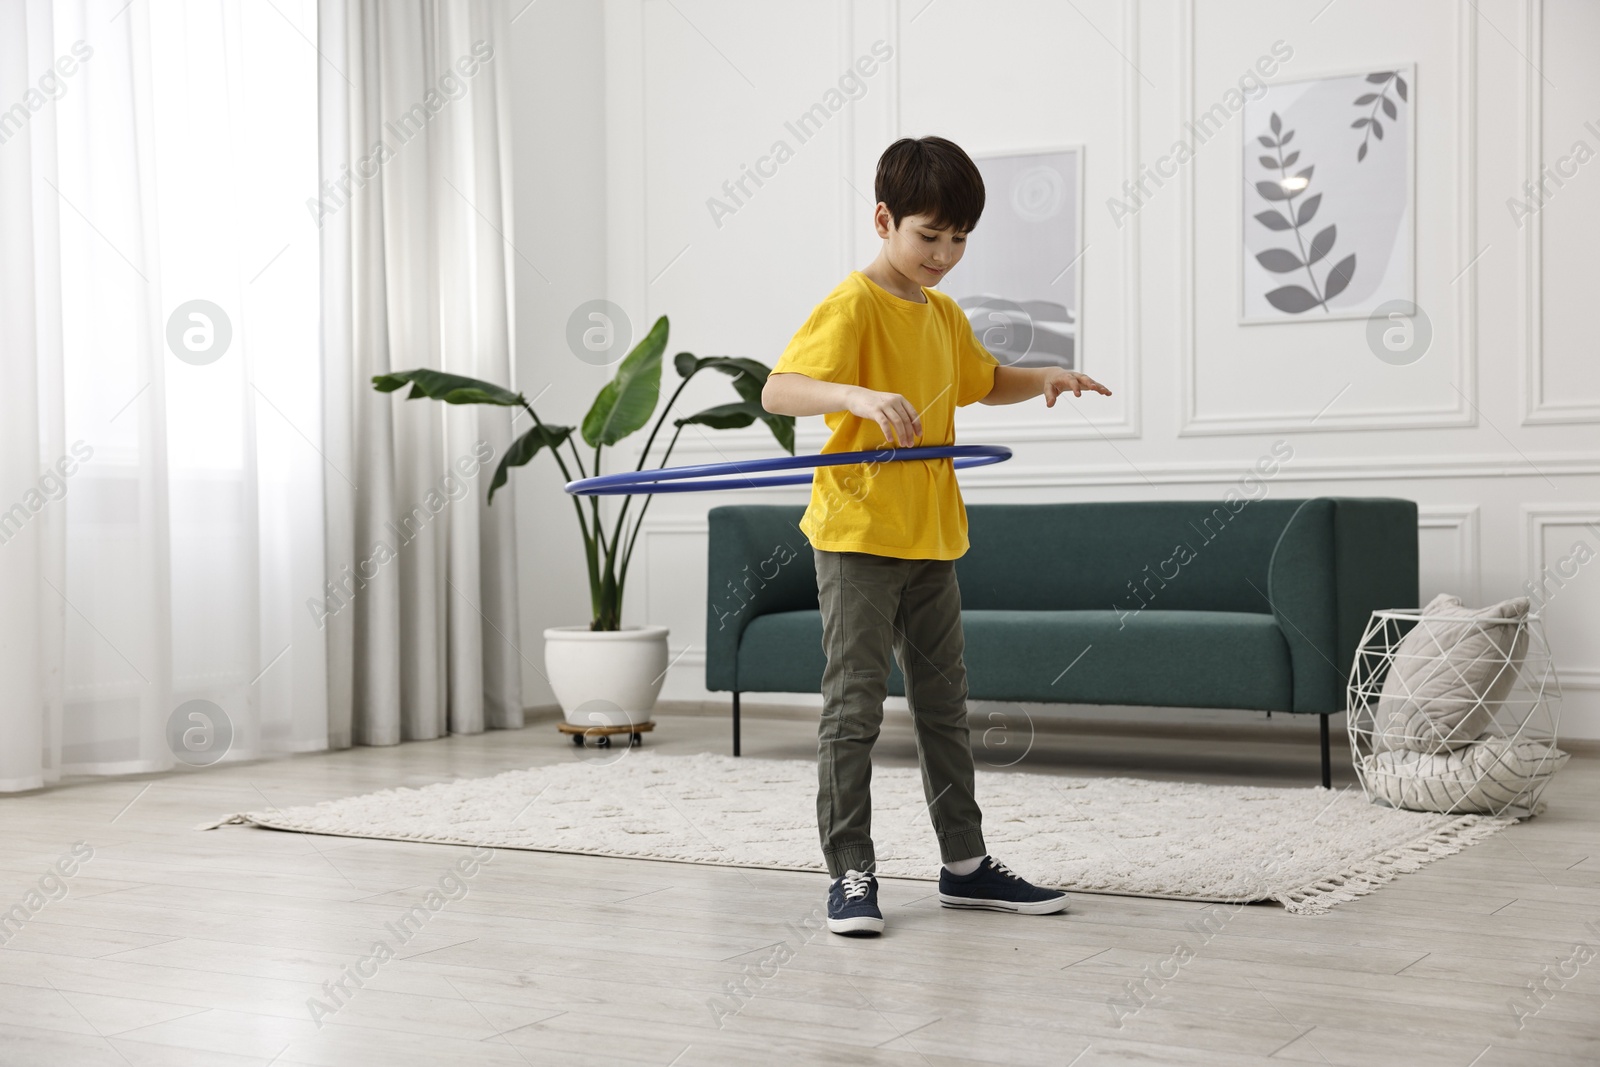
{"points": [[1460, 719]]}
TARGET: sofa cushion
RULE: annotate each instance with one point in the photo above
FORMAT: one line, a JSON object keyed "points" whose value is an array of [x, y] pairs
{"points": [[1205, 659], [1212, 659]]}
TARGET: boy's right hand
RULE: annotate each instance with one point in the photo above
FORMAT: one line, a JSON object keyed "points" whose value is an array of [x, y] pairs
{"points": [[892, 412]]}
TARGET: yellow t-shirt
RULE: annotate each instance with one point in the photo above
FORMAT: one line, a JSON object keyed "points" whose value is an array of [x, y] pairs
{"points": [[862, 334]]}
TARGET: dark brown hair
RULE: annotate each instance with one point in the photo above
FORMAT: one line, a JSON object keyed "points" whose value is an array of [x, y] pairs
{"points": [[930, 176]]}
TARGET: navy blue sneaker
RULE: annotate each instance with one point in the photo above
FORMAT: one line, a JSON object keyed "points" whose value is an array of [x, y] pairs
{"points": [[995, 887], [853, 906]]}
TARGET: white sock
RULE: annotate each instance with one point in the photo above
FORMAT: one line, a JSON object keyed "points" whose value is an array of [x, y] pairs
{"points": [[962, 868]]}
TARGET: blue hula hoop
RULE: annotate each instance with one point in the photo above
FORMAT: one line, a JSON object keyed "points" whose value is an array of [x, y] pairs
{"points": [[736, 475]]}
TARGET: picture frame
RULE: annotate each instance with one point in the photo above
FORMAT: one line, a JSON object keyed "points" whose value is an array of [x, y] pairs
{"points": [[1328, 195], [1021, 279]]}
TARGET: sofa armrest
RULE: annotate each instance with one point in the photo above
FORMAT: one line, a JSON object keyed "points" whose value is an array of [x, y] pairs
{"points": [[1337, 560], [758, 562]]}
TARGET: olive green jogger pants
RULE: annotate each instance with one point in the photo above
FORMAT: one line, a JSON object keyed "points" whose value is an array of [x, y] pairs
{"points": [[874, 607]]}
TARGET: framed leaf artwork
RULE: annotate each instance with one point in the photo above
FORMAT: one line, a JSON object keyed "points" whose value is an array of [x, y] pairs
{"points": [[1329, 196], [1020, 280]]}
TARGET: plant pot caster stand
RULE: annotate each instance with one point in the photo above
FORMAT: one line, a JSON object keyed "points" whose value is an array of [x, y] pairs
{"points": [[602, 734]]}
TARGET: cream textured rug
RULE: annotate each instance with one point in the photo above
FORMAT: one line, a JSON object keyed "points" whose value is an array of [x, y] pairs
{"points": [[1308, 849]]}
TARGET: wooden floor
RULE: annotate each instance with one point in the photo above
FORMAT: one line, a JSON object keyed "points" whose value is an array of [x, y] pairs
{"points": [[174, 947]]}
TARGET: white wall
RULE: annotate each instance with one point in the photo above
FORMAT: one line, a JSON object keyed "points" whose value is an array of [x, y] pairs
{"points": [[558, 181], [1495, 432]]}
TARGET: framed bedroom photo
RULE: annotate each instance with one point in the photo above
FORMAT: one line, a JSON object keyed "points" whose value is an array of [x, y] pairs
{"points": [[1329, 193], [1021, 279]]}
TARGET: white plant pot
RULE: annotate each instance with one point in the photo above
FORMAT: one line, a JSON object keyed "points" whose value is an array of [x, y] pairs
{"points": [[606, 677]]}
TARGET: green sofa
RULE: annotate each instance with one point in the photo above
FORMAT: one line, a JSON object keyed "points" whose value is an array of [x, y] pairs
{"points": [[1251, 604]]}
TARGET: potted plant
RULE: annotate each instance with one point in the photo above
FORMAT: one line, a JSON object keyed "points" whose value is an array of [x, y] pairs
{"points": [[611, 672]]}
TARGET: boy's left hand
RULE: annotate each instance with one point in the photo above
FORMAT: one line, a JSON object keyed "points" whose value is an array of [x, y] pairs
{"points": [[1060, 381]]}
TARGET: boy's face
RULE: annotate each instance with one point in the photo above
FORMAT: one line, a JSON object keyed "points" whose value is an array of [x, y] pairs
{"points": [[920, 251]]}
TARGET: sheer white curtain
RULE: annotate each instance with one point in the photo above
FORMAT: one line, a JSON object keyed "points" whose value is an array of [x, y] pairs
{"points": [[421, 601], [161, 508]]}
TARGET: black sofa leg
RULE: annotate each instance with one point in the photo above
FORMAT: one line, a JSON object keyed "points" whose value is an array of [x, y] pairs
{"points": [[736, 733], [1327, 765]]}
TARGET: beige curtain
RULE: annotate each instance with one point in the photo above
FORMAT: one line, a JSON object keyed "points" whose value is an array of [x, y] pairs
{"points": [[420, 606]]}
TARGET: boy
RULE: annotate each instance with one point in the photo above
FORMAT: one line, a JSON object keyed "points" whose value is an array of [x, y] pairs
{"points": [[887, 359]]}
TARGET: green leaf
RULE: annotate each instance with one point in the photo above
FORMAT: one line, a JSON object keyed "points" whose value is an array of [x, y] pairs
{"points": [[749, 378], [739, 414], [749, 375], [782, 427], [525, 448], [451, 388], [732, 416], [628, 400]]}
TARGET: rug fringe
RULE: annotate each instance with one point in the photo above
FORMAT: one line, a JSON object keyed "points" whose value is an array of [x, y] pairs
{"points": [[1376, 871]]}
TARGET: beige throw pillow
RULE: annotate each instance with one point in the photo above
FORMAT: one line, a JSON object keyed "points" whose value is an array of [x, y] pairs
{"points": [[1486, 777], [1449, 675]]}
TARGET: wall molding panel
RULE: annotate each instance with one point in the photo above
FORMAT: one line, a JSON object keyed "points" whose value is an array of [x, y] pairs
{"points": [[1405, 468], [1464, 520], [1537, 519], [1193, 421], [861, 22], [681, 646], [1536, 410]]}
